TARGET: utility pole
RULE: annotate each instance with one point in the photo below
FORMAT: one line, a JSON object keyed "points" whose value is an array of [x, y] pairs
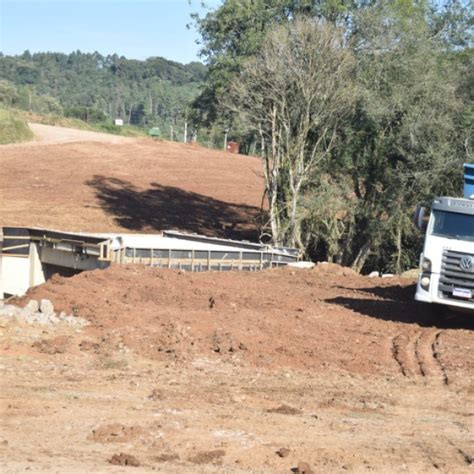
{"points": [[186, 126], [226, 131]]}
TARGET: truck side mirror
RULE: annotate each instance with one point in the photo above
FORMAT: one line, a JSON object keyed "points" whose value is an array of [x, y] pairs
{"points": [[421, 217]]}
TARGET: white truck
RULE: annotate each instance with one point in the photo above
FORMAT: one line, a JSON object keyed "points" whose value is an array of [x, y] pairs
{"points": [[447, 263]]}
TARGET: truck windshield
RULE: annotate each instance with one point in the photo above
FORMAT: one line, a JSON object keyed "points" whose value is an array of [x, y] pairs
{"points": [[453, 225]]}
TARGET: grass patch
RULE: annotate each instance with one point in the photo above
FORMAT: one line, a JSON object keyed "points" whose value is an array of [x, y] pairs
{"points": [[111, 363], [13, 127]]}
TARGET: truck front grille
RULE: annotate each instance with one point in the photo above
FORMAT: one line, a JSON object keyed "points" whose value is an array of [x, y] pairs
{"points": [[454, 276]]}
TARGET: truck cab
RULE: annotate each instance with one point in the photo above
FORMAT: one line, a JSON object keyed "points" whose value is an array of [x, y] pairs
{"points": [[447, 261]]}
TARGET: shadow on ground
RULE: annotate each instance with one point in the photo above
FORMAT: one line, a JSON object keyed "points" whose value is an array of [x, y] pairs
{"points": [[166, 207], [398, 304]]}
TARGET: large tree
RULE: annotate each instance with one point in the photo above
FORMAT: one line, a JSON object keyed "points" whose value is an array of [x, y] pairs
{"points": [[402, 142], [398, 132], [237, 29], [294, 94]]}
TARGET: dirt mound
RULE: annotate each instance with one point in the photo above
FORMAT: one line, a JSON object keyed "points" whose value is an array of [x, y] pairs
{"points": [[124, 459], [318, 319], [305, 370]]}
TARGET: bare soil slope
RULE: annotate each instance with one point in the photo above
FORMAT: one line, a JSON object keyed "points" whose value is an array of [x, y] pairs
{"points": [[80, 180], [216, 372]]}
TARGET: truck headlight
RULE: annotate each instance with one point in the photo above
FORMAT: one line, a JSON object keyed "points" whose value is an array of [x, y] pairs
{"points": [[425, 282], [426, 264]]}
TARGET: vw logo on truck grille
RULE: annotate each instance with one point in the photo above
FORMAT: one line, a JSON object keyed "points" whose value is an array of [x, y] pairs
{"points": [[467, 263]]}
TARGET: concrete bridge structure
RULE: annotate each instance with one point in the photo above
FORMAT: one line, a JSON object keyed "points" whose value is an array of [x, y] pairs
{"points": [[30, 256]]}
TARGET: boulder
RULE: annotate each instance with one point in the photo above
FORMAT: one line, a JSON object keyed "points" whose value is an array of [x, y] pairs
{"points": [[412, 274], [26, 313], [33, 306], [46, 307]]}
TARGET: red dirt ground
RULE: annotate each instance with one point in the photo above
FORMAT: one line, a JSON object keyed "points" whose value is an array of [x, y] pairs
{"points": [[133, 185], [219, 372]]}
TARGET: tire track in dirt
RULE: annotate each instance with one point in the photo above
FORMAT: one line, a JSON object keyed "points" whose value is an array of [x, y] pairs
{"points": [[419, 355], [432, 455], [404, 353], [435, 348], [428, 355], [467, 458]]}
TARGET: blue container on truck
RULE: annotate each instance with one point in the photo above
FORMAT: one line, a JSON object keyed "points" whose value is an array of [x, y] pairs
{"points": [[469, 180]]}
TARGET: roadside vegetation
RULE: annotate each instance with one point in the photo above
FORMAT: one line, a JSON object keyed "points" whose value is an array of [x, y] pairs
{"points": [[13, 127], [359, 110]]}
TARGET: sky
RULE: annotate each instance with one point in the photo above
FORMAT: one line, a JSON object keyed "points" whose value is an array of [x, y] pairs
{"points": [[135, 29]]}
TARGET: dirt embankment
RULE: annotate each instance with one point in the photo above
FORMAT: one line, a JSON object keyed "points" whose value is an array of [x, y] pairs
{"points": [[80, 180], [323, 319], [237, 372]]}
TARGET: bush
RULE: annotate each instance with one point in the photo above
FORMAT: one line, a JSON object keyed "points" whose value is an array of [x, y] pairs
{"points": [[109, 128], [86, 114], [13, 127]]}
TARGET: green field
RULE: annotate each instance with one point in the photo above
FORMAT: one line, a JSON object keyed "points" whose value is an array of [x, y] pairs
{"points": [[13, 127]]}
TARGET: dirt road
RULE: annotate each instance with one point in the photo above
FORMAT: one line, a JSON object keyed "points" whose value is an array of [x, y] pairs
{"points": [[49, 135]]}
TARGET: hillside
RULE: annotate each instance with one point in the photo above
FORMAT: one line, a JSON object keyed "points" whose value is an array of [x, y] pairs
{"points": [[83, 180], [94, 87]]}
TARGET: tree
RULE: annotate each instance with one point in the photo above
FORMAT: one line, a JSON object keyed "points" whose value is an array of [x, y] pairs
{"points": [[294, 93], [8, 93], [237, 29], [401, 145]]}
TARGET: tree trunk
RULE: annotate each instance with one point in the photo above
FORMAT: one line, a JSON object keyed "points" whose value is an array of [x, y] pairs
{"points": [[361, 258], [398, 263]]}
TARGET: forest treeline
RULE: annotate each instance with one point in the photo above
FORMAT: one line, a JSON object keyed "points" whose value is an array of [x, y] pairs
{"points": [[359, 110], [96, 88]]}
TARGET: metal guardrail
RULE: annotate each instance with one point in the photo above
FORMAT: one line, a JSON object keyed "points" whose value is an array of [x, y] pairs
{"points": [[201, 260]]}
